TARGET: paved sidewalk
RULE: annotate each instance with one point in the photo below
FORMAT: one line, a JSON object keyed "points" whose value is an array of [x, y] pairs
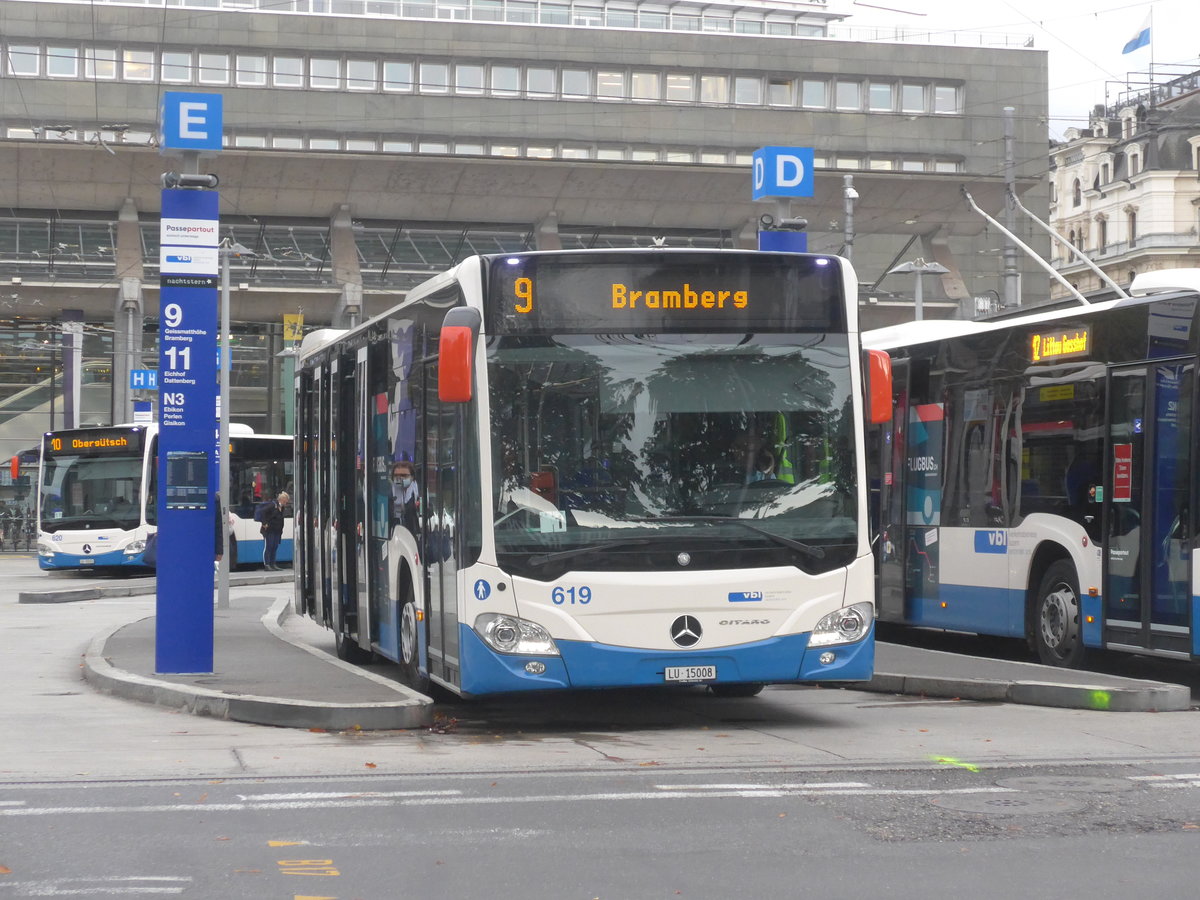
{"points": [[270, 675]]}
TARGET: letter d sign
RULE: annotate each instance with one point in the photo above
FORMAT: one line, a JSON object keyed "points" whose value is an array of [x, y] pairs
{"points": [[783, 172]]}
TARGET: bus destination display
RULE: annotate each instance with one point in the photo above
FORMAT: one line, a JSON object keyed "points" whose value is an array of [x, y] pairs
{"points": [[599, 293], [95, 442]]}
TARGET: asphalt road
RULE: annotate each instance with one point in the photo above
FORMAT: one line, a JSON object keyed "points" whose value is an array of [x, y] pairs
{"points": [[636, 794]]}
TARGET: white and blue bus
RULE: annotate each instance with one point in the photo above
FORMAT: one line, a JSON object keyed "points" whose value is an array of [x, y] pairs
{"points": [[1038, 480], [639, 467], [97, 495]]}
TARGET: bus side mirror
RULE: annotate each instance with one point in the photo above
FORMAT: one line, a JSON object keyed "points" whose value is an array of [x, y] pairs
{"points": [[877, 370], [456, 354]]}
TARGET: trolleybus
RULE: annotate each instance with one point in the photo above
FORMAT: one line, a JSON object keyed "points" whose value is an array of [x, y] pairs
{"points": [[98, 486], [1038, 479], [591, 506]]}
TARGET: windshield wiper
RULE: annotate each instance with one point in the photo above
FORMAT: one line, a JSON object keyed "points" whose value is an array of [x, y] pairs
{"points": [[541, 559], [808, 549]]}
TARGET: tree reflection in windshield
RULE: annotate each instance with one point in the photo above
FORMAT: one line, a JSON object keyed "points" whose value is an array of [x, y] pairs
{"points": [[611, 437]]}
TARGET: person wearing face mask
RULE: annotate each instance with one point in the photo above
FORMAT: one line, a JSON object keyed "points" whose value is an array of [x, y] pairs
{"points": [[406, 502]]}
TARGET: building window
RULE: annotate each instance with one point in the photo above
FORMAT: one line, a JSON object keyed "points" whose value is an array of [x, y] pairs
{"points": [[360, 74], [713, 158], [679, 156], [847, 162], [747, 91], [1076, 193], [287, 143], [137, 65], [912, 98], [1132, 229], [435, 78], [644, 156], [439, 147], [645, 86], [945, 99], [576, 153], [945, 165], [848, 95], [176, 66], [612, 154], [324, 144], [397, 76], [24, 59], [397, 147], [505, 81], [505, 150], [213, 68], [882, 165], [325, 74], [814, 94], [461, 149], [881, 96], [62, 62], [912, 165], [360, 145], [250, 140], [288, 71], [681, 88], [468, 79], [781, 92], [1104, 174], [251, 70], [576, 83], [714, 89], [1102, 235], [1135, 164], [539, 82], [610, 85], [100, 62]]}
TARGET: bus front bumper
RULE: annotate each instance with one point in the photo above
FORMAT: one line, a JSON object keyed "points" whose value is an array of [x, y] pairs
{"points": [[585, 665]]}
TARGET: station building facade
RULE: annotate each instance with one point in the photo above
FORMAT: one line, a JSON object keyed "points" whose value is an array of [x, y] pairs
{"points": [[371, 143]]}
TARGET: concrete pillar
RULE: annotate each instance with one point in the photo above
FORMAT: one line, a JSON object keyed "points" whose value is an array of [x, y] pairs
{"points": [[545, 233], [343, 255], [128, 312]]}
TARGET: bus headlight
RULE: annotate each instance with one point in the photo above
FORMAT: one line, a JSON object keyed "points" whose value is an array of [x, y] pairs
{"points": [[509, 634], [135, 547], [847, 625], [45, 550]]}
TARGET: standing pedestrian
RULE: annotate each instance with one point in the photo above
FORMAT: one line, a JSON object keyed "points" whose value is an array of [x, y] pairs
{"points": [[272, 529]]}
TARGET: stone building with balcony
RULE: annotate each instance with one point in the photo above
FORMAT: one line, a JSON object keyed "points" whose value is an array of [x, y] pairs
{"points": [[1125, 191]]}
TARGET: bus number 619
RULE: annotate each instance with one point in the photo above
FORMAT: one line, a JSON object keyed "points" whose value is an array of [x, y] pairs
{"points": [[571, 596]]}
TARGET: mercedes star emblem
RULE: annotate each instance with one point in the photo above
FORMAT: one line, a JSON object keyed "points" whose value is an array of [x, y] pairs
{"points": [[686, 631]]}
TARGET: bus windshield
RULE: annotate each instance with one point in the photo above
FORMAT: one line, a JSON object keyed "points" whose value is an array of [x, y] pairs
{"points": [[735, 449], [92, 490]]}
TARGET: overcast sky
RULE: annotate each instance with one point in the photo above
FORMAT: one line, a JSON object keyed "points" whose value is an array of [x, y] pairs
{"points": [[1083, 38]]}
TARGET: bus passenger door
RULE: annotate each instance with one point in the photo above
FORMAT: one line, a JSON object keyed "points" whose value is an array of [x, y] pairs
{"points": [[889, 517], [442, 441], [1147, 517], [367, 624]]}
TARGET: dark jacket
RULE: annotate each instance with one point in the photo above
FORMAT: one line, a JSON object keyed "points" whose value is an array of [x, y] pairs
{"points": [[272, 519]]}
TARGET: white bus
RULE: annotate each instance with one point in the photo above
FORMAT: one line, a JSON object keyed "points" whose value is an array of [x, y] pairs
{"points": [[636, 467], [1038, 481], [97, 495]]}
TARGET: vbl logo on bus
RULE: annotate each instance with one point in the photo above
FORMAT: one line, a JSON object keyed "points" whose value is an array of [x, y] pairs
{"points": [[991, 541]]}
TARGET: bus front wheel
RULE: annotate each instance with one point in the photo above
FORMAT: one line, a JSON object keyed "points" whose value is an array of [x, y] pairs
{"points": [[1056, 626], [410, 654]]}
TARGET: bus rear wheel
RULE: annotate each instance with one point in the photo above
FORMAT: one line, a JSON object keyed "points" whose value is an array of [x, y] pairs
{"points": [[348, 650], [1056, 626]]}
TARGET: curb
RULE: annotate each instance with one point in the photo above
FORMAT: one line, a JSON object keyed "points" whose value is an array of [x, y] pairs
{"points": [[1139, 696], [415, 711], [96, 592]]}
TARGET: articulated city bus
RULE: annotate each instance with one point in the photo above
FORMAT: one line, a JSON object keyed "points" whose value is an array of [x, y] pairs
{"points": [[594, 469], [1038, 479], [98, 486]]}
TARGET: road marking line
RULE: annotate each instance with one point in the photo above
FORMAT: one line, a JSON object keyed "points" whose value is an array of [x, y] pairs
{"points": [[343, 795]]}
